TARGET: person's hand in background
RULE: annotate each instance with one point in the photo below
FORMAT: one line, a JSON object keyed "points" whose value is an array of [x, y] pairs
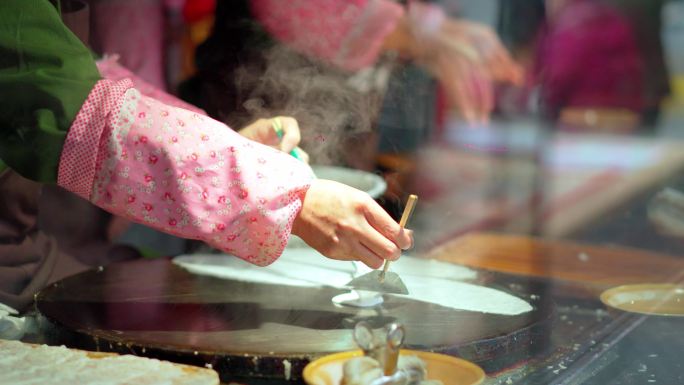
{"points": [[489, 51], [265, 131], [347, 224], [466, 57]]}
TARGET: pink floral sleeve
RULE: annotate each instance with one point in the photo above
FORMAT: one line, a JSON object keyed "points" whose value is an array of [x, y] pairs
{"points": [[183, 173], [346, 33]]}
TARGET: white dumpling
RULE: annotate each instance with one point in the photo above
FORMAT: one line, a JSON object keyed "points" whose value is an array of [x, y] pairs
{"points": [[361, 371]]}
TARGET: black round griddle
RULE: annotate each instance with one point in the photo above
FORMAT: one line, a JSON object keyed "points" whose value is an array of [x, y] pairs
{"points": [[249, 330]]}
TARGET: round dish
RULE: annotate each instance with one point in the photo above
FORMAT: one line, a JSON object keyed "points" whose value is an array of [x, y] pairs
{"points": [[450, 370], [373, 184], [664, 299]]}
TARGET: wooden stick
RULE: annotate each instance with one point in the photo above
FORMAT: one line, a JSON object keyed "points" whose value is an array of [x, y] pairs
{"points": [[408, 210]]}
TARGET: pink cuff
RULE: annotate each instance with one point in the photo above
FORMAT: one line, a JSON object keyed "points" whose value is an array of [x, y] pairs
{"points": [[78, 161]]}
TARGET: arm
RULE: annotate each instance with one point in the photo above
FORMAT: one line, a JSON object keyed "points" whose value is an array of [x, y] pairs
{"points": [[182, 173]]}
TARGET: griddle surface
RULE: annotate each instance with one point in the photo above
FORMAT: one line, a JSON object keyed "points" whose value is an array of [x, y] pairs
{"points": [[156, 308]]}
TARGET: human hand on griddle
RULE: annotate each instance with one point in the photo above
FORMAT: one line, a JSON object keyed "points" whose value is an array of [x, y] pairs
{"points": [[347, 224], [264, 132], [466, 57]]}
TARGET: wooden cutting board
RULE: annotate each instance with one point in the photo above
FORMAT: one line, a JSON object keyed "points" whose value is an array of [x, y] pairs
{"points": [[600, 265]]}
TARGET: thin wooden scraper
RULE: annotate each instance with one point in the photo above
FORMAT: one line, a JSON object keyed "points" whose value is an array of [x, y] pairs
{"points": [[383, 281]]}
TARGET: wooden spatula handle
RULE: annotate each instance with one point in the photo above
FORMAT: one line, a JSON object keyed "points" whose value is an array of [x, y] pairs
{"points": [[408, 210]]}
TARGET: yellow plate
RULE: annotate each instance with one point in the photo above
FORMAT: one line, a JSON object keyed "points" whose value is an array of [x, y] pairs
{"points": [[650, 298], [450, 370]]}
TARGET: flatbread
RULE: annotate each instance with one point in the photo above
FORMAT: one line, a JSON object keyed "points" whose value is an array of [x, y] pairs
{"points": [[432, 281], [27, 364]]}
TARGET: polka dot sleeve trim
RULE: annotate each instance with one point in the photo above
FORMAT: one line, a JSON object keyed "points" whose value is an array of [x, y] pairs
{"points": [[78, 161]]}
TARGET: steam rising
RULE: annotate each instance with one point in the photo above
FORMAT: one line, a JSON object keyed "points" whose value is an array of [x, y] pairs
{"points": [[332, 107]]}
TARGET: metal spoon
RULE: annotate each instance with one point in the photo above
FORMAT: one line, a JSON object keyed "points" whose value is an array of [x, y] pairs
{"points": [[395, 339]]}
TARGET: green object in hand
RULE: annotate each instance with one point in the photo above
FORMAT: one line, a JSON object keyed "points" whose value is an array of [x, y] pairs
{"points": [[278, 127]]}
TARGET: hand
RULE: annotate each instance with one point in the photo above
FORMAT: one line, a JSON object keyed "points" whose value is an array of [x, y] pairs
{"points": [[347, 224], [468, 85], [466, 57], [263, 131], [489, 50]]}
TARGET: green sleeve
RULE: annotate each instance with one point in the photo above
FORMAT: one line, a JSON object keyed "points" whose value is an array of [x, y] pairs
{"points": [[46, 74]]}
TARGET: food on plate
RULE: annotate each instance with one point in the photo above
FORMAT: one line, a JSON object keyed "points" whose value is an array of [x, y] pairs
{"points": [[411, 370]]}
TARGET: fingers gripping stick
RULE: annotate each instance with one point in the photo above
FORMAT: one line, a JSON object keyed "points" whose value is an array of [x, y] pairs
{"points": [[408, 210]]}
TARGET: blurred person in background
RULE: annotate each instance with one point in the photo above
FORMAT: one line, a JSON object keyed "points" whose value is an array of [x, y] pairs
{"points": [[600, 61], [646, 20], [343, 39], [135, 30], [589, 67]]}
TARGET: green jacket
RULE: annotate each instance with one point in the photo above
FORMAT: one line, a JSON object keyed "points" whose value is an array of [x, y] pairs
{"points": [[46, 74]]}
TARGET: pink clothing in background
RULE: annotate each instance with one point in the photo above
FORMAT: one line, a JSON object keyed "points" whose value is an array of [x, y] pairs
{"points": [[589, 59], [347, 33], [182, 173], [133, 29]]}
